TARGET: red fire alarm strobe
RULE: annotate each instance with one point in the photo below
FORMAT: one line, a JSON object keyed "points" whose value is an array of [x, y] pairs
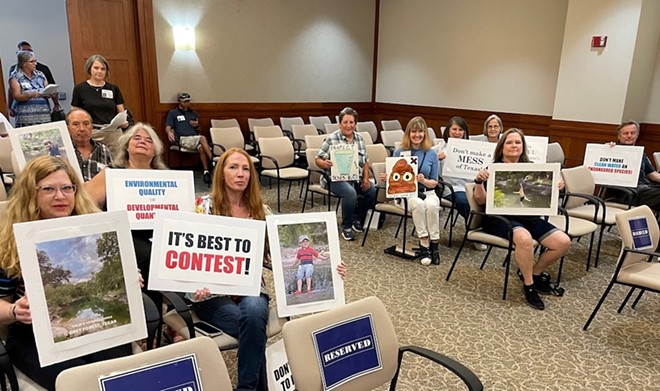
{"points": [[599, 41]]}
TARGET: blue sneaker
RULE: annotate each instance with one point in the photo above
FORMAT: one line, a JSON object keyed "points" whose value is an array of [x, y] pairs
{"points": [[357, 226], [347, 234]]}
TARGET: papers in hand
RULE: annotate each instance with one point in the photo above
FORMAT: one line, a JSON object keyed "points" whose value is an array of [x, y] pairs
{"points": [[116, 122], [51, 88]]}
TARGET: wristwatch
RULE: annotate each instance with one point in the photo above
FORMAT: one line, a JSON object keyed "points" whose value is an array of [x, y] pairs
{"points": [[478, 182]]}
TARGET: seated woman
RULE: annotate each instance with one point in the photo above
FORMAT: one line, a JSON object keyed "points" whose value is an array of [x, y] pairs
{"points": [[493, 128], [425, 208], [236, 193], [511, 148], [47, 188]]}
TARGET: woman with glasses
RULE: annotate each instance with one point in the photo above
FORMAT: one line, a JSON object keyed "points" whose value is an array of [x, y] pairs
{"points": [[26, 84], [493, 128], [47, 188]]}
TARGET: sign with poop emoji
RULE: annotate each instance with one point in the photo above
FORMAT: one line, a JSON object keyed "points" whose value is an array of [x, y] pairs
{"points": [[401, 177]]}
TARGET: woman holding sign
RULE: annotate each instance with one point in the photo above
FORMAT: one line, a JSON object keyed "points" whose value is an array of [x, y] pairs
{"points": [[47, 188], [511, 148], [425, 207]]}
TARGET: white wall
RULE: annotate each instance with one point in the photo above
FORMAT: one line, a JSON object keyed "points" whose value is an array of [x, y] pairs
{"points": [[500, 56], [43, 23], [267, 51]]}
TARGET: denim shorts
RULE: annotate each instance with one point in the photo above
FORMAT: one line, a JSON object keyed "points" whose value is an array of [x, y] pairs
{"points": [[305, 271], [537, 227]]}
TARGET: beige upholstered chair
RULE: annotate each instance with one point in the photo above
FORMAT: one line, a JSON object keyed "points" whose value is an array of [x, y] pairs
{"points": [[635, 267], [6, 164], [377, 153], [581, 203], [369, 127], [319, 122], [315, 141], [212, 370], [232, 123], [656, 160], [252, 122], [288, 122], [267, 132], [313, 184], [304, 358], [392, 124], [223, 139], [555, 154], [177, 148], [389, 137], [330, 127], [367, 138], [277, 159], [300, 132], [474, 233]]}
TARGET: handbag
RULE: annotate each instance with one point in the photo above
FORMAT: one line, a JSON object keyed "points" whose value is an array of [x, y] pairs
{"points": [[57, 115]]}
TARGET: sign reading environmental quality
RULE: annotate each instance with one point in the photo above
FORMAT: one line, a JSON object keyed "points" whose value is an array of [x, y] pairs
{"points": [[346, 350], [639, 229], [143, 192], [618, 165], [466, 157], [537, 148], [177, 374], [191, 251]]}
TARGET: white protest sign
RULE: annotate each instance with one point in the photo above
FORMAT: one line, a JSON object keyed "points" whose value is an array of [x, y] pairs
{"points": [[464, 158], [279, 373], [401, 176], [618, 165], [345, 162], [191, 251], [143, 192], [537, 148]]}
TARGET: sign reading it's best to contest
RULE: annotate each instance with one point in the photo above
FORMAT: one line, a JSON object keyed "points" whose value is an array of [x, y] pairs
{"points": [[191, 251], [617, 165], [142, 192]]}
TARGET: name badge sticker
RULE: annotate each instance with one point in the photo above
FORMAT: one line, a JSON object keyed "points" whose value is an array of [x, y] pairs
{"points": [[346, 350], [180, 118], [639, 228], [107, 94]]}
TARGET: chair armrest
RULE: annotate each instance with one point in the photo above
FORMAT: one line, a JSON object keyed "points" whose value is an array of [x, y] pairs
{"points": [[632, 195], [390, 150], [501, 218], [153, 317], [6, 369], [181, 308], [464, 373], [272, 159], [222, 148], [288, 133], [440, 188], [297, 144]]}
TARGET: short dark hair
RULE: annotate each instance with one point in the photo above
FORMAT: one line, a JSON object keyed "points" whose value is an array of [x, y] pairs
{"points": [[348, 111], [456, 120]]}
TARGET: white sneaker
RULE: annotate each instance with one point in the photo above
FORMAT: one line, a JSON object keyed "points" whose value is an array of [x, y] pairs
{"points": [[480, 247], [425, 261]]}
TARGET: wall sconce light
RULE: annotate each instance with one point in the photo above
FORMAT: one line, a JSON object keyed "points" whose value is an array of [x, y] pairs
{"points": [[184, 38]]}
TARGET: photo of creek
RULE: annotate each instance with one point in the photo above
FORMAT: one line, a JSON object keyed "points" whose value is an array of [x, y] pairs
{"points": [[523, 189]]}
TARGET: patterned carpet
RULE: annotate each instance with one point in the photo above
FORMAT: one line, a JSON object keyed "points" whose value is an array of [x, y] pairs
{"points": [[506, 343]]}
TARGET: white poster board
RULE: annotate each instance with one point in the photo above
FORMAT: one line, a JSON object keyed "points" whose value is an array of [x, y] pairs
{"points": [[64, 261], [464, 158], [292, 267], [537, 148], [401, 176], [52, 139], [279, 373], [527, 189], [5, 125], [191, 251], [617, 165], [345, 162], [142, 192]]}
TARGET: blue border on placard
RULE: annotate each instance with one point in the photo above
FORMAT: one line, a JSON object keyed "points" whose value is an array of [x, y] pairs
{"points": [[167, 375]]}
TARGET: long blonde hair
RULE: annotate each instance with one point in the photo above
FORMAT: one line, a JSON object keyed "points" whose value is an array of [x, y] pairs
{"points": [[22, 206], [417, 123], [252, 193]]}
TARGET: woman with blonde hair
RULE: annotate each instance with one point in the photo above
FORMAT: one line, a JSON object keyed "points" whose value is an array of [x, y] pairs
{"points": [[46, 188]]}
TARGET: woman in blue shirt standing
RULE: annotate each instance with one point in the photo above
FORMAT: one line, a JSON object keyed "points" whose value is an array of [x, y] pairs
{"points": [[426, 206]]}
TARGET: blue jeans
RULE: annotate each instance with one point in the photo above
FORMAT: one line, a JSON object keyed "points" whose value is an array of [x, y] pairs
{"points": [[461, 203], [349, 191], [245, 320]]}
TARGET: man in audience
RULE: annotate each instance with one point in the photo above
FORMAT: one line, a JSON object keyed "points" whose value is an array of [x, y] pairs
{"points": [[647, 184], [25, 46], [182, 127], [352, 216], [92, 155]]}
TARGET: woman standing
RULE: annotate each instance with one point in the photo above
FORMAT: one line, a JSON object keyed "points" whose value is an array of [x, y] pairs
{"points": [[493, 128], [47, 188], [511, 148], [26, 84], [425, 208], [102, 100]]}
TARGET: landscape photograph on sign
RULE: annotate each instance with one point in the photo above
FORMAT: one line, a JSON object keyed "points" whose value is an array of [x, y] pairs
{"points": [[523, 189]]}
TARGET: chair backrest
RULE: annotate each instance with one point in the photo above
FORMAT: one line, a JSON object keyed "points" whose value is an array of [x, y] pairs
{"points": [[287, 122], [279, 148], [476, 219], [376, 153], [555, 154], [656, 158], [577, 180], [225, 123], [252, 122], [267, 132], [227, 137], [389, 137], [315, 141], [330, 127], [478, 137], [319, 121], [369, 127], [299, 344], [314, 177], [367, 138], [378, 169], [397, 145], [623, 226], [392, 124], [301, 131], [432, 136], [5, 155], [212, 369]]}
